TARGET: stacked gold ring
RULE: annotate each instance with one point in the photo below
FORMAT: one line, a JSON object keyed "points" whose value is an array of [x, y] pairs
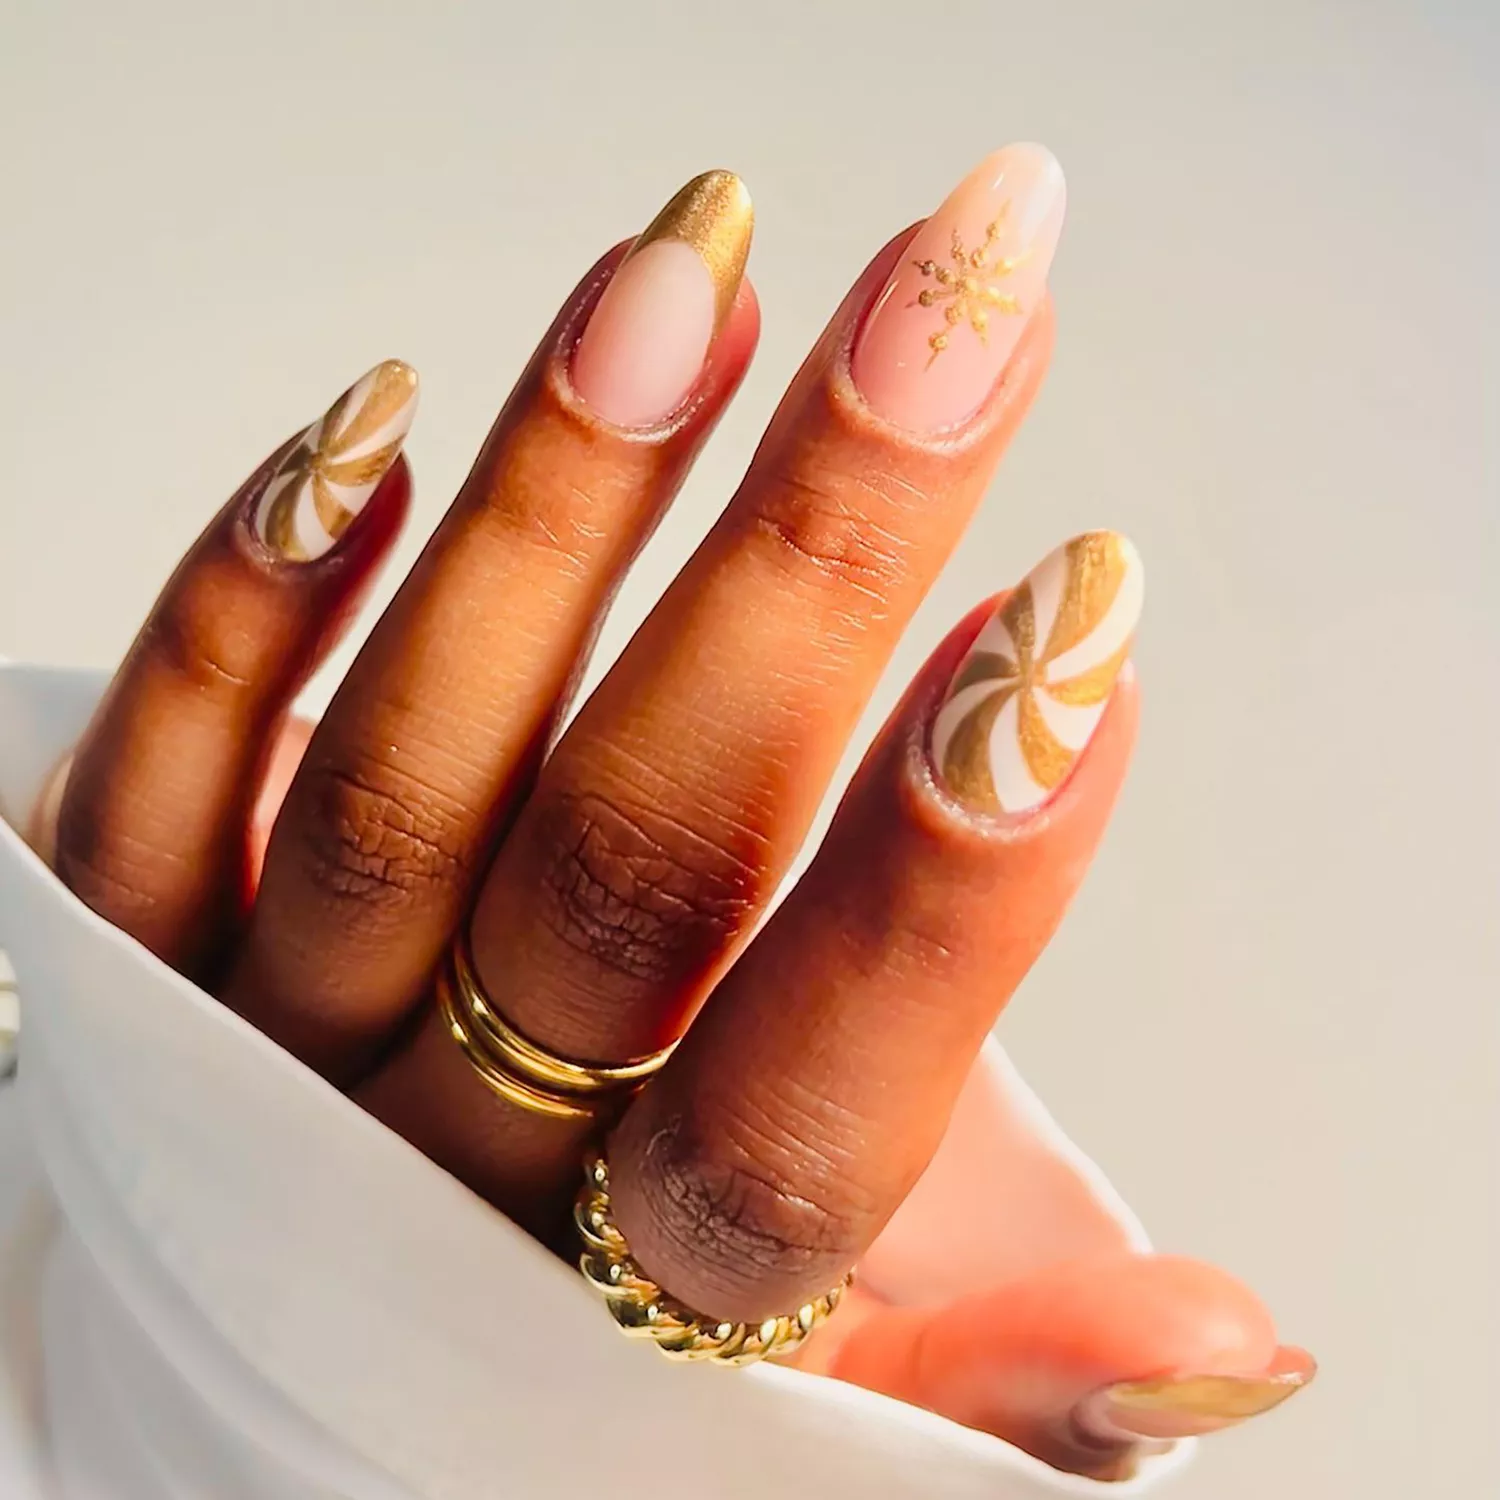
{"points": [[643, 1310], [516, 1068], [525, 1074]]}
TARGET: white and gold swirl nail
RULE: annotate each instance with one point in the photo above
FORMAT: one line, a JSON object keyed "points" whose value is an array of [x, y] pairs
{"points": [[333, 468], [1036, 681]]}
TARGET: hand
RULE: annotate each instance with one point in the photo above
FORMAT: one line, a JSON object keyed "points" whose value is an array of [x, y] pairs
{"points": [[611, 883]]}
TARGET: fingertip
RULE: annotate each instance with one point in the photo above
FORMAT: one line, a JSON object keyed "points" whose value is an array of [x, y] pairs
{"points": [[1152, 1313], [732, 350], [743, 322], [1050, 1361], [1094, 1321]]}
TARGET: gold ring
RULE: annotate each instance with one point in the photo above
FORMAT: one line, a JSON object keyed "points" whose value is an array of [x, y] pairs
{"points": [[516, 1068], [535, 1063], [643, 1310]]}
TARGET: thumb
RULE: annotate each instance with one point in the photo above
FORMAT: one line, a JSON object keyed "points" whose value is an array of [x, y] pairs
{"points": [[1086, 1364]]}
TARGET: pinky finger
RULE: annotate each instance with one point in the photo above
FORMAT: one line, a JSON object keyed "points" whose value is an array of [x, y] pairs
{"points": [[154, 824]]}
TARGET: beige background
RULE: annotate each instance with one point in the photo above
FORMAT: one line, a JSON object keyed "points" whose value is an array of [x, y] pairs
{"points": [[1272, 1013]]}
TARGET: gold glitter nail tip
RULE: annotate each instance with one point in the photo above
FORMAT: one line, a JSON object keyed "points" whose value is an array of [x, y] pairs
{"points": [[1029, 695], [1187, 1405], [714, 215]]}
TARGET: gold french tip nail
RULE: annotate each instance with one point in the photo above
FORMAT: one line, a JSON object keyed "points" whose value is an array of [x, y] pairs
{"points": [[1185, 1405], [714, 215]]}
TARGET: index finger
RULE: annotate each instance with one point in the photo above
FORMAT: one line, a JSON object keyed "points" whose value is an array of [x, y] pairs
{"points": [[809, 1096]]}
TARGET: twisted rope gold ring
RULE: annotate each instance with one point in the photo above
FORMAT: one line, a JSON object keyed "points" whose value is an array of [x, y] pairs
{"points": [[643, 1310]]}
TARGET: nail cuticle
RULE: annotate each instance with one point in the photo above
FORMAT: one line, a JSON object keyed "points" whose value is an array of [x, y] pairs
{"points": [[647, 434], [963, 433], [557, 374], [1001, 826], [969, 432]]}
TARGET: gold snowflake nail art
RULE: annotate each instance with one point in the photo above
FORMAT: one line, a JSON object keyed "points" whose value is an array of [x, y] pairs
{"points": [[331, 472], [1035, 684], [970, 286]]}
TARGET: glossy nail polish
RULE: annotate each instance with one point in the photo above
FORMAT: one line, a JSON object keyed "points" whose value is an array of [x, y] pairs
{"points": [[333, 468], [1182, 1406], [936, 341], [644, 347], [1034, 685]]}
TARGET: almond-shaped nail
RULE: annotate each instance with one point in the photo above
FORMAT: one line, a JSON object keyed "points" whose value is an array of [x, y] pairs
{"points": [[1182, 1406], [334, 466], [935, 343], [1028, 696], [644, 347]]}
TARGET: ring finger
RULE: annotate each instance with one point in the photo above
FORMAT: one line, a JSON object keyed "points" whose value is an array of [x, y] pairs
{"points": [[814, 1088]]}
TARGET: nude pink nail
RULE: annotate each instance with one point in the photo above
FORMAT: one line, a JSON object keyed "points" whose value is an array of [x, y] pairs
{"points": [[645, 344], [936, 341]]}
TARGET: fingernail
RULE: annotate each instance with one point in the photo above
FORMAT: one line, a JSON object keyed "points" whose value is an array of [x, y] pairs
{"points": [[646, 341], [935, 342], [1182, 1406], [1032, 689], [332, 470]]}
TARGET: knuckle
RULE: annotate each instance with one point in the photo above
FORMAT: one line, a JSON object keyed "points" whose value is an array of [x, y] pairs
{"points": [[379, 836], [635, 892], [527, 500], [840, 530], [764, 1210], [204, 648], [109, 872]]}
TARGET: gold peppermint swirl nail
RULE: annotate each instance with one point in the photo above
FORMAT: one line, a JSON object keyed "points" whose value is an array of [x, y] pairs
{"points": [[1034, 686], [334, 467]]}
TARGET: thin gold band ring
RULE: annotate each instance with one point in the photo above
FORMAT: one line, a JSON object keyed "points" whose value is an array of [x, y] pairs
{"points": [[535, 1063], [517, 1069]]}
